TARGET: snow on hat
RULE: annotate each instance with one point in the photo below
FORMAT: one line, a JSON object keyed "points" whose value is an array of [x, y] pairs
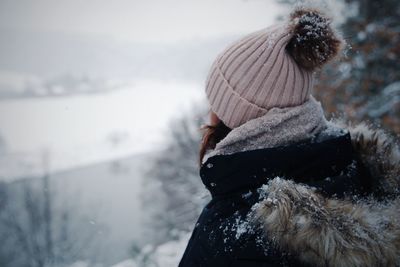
{"points": [[271, 68]]}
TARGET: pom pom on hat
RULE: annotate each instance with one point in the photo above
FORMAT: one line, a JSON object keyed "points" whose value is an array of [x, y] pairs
{"points": [[314, 41]]}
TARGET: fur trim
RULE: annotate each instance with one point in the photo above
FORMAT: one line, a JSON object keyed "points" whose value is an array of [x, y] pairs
{"points": [[380, 154], [335, 232]]}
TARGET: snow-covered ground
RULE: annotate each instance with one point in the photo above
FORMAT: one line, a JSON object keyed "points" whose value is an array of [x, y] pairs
{"points": [[165, 255]]}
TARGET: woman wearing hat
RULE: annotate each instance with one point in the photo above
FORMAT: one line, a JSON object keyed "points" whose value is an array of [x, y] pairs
{"points": [[288, 187]]}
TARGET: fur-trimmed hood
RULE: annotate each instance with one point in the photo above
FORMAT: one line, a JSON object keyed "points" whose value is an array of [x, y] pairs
{"points": [[323, 231]]}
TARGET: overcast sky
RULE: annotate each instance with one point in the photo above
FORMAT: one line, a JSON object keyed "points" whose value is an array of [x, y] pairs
{"points": [[140, 21]]}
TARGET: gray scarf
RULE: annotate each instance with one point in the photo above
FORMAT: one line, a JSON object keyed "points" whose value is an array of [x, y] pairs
{"points": [[278, 127]]}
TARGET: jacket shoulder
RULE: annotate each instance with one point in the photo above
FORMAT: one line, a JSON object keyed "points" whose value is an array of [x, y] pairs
{"points": [[327, 231]]}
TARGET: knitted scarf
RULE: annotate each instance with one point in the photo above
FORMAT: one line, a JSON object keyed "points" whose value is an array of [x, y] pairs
{"points": [[278, 127]]}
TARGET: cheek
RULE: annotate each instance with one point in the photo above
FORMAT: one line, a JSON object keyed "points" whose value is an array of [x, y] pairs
{"points": [[214, 118]]}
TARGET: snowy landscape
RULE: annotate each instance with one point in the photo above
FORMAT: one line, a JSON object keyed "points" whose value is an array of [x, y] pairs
{"points": [[100, 109], [85, 115]]}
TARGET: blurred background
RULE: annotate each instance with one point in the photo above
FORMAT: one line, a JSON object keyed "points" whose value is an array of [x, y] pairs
{"points": [[100, 106]]}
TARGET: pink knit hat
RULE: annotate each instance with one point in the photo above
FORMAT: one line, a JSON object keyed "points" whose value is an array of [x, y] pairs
{"points": [[270, 68]]}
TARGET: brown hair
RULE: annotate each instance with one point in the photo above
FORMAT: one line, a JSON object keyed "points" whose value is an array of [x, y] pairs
{"points": [[212, 134]]}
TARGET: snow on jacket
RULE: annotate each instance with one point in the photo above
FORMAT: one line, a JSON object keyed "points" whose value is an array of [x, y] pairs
{"points": [[331, 200]]}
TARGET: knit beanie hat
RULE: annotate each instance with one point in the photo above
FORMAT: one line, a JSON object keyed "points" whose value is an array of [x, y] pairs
{"points": [[271, 68]]}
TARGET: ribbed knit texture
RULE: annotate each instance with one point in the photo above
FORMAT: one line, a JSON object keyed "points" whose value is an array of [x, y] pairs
{"points": [[256, 74], [278, 127]]}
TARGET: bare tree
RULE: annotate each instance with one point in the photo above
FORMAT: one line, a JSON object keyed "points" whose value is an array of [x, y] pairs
{"points": [[38, 228], [174, 194]]}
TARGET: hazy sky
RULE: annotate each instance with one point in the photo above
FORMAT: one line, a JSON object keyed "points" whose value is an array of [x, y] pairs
{"points": [[140, 21]]}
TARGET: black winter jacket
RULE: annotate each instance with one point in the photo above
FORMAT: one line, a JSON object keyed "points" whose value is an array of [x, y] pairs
{"points": [[303, 218]]}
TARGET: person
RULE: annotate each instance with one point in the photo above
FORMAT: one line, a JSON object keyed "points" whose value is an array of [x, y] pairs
{"points": [[288, 187]]}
